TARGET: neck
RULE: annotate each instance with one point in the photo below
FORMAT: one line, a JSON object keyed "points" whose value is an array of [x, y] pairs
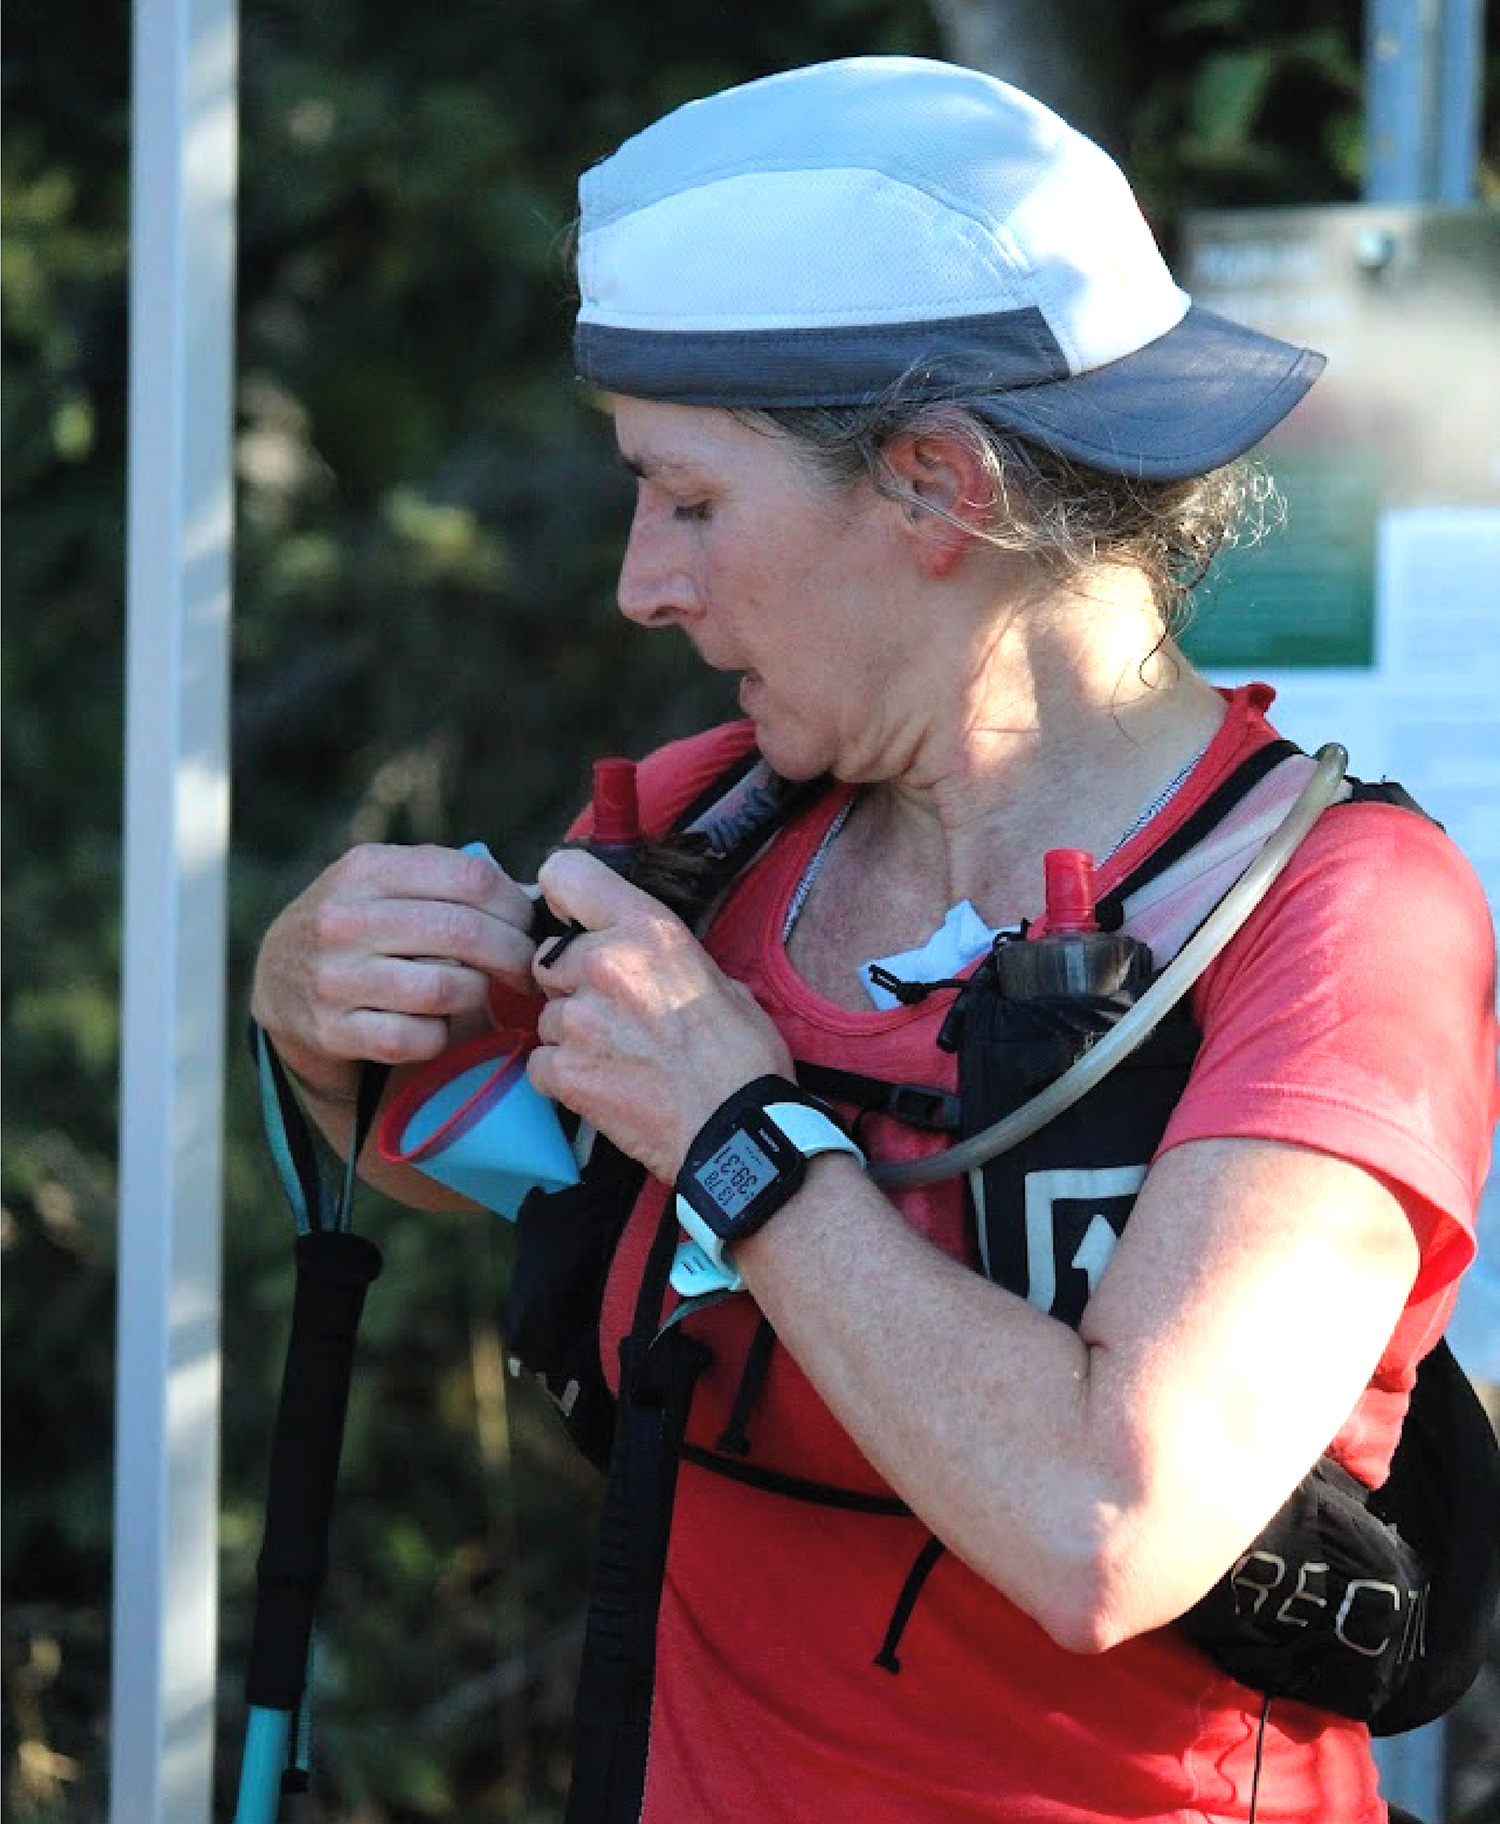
{"points": [[1061, 723]]}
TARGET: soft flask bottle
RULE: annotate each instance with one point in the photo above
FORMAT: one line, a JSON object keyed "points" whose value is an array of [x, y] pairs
{"points": [[616, 837], [470, 1119], [1072, 956]]}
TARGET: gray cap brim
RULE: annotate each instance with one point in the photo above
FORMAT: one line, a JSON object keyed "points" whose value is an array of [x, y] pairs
{"points": [[1194, 399], [1187, 402]]}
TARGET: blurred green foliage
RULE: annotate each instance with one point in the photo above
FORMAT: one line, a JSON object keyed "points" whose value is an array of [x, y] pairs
{"points": [[424, 650]]}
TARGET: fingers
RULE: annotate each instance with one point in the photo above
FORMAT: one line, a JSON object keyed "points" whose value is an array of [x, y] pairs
{"points": [[584, 894], [378, 1036], [433, 876], [642, 1034], [582, 890], [427, 901], [389, 955], [403, 927], [416, 987]]}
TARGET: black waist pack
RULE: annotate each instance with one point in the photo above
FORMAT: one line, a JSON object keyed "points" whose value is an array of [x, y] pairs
{"points": [[1376, 1606]]}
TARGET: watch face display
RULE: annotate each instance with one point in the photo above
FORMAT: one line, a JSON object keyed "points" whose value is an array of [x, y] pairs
{"points": [[734, 1174], [741, 1167]]}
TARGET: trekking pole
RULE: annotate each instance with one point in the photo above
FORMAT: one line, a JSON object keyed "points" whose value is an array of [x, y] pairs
{"points": [[334, 1270]]}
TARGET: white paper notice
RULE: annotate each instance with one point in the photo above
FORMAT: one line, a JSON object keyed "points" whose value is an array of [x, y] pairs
{"points": [[1428, 713], [1439, 618], [1438, 615]]}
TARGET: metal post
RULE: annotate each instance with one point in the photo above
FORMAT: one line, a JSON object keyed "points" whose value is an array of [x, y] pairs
{"points": [[1460, 85], [1423, 73], [180, 510]]}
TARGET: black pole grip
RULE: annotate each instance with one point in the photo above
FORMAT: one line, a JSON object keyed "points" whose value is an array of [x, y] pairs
{"points": [[334, 1271], [612, 1707]]}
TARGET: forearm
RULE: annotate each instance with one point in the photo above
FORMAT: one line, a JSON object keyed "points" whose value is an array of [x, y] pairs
{"points": [[982, 1413], [1105, 1478]]}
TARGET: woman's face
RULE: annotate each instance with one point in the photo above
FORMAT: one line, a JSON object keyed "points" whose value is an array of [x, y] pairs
{"points": [[770, 572]]}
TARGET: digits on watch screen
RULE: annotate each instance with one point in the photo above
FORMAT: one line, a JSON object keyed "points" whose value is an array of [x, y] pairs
{"points": [[736, 1173]]}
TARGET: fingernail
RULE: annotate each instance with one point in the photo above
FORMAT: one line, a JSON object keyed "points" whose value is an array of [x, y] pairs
{"points": [[479, 848]]}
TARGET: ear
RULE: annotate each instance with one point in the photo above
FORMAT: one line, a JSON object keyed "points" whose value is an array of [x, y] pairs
{"points": [[946, 495]]}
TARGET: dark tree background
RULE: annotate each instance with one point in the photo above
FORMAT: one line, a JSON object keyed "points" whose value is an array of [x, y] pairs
{"points": [[424, 649]]}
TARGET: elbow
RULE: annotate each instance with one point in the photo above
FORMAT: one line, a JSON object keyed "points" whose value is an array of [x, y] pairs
{"points": [[1121, 1547], [1107, 1610], [1128, 1568], [1089, 1616], [1083, 1634], [1099, 1588]]}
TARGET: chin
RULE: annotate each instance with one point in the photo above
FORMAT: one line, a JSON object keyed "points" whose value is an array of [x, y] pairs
{"points": [[794, 748], [794, 760]]}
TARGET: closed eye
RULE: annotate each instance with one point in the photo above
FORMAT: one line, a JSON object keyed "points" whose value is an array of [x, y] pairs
{"points": [[662, 474]]}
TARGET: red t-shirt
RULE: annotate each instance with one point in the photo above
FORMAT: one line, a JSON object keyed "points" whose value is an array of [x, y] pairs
{"points": [[1354, 1014]]}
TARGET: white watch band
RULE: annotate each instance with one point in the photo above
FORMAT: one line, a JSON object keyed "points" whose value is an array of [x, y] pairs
{"points": [[703, 1263]]}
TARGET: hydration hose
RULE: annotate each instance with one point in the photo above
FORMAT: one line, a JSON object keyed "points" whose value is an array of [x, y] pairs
{"points": [[1135, 1026]]}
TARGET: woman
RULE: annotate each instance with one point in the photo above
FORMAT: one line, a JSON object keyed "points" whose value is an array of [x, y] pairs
{"points": [[928, 446]]}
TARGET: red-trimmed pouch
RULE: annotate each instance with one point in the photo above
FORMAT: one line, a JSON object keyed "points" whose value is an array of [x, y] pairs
{"points": [[471, 1120]]}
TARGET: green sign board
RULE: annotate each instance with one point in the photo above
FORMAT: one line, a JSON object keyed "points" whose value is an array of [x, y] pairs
{"points": [[1405, 303], [1304, 593]]}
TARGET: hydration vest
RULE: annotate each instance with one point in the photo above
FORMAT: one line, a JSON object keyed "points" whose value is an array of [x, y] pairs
{"points": [[1371, 1605]]}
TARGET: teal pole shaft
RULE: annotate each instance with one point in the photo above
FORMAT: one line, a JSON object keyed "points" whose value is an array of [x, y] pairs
{"points": [[267, 1734]]}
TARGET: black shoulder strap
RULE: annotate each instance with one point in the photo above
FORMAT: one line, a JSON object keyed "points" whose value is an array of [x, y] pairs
{"points": [[738, 814], [659, 1369], [1110, 910], [1387, 791], [718, 788]]}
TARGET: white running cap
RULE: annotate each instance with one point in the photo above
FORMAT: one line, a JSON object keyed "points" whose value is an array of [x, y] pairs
{"points": [[818, 236]]}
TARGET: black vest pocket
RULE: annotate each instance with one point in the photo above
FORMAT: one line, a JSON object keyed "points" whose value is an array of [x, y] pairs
{"points": [[1047, 1213], [565, 1241]]}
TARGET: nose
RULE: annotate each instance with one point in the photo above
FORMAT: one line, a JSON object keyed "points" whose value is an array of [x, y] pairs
{"points": [[656, 586]]}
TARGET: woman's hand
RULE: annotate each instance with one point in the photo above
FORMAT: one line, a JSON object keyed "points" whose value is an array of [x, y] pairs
{"points": [[643, 1035], [388, 956]]}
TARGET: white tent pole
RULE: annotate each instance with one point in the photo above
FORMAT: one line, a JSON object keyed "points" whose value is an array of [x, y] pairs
{"points": [[180, 511]]}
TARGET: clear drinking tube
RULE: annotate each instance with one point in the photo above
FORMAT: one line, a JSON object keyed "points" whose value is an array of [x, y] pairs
{"points": [[1135, 1026]]}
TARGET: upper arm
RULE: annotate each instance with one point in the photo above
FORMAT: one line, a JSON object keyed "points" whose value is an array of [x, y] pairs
{"points": [[1355, 1015], [1318, 1179], [1240, 1319]]}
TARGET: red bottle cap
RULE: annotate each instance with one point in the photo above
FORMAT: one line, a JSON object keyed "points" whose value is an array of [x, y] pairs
{"points": [[617, 813], [1069, 876]]}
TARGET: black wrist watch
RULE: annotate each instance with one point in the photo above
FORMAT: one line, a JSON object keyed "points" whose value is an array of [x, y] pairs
{"points": [[748, 1158]]}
